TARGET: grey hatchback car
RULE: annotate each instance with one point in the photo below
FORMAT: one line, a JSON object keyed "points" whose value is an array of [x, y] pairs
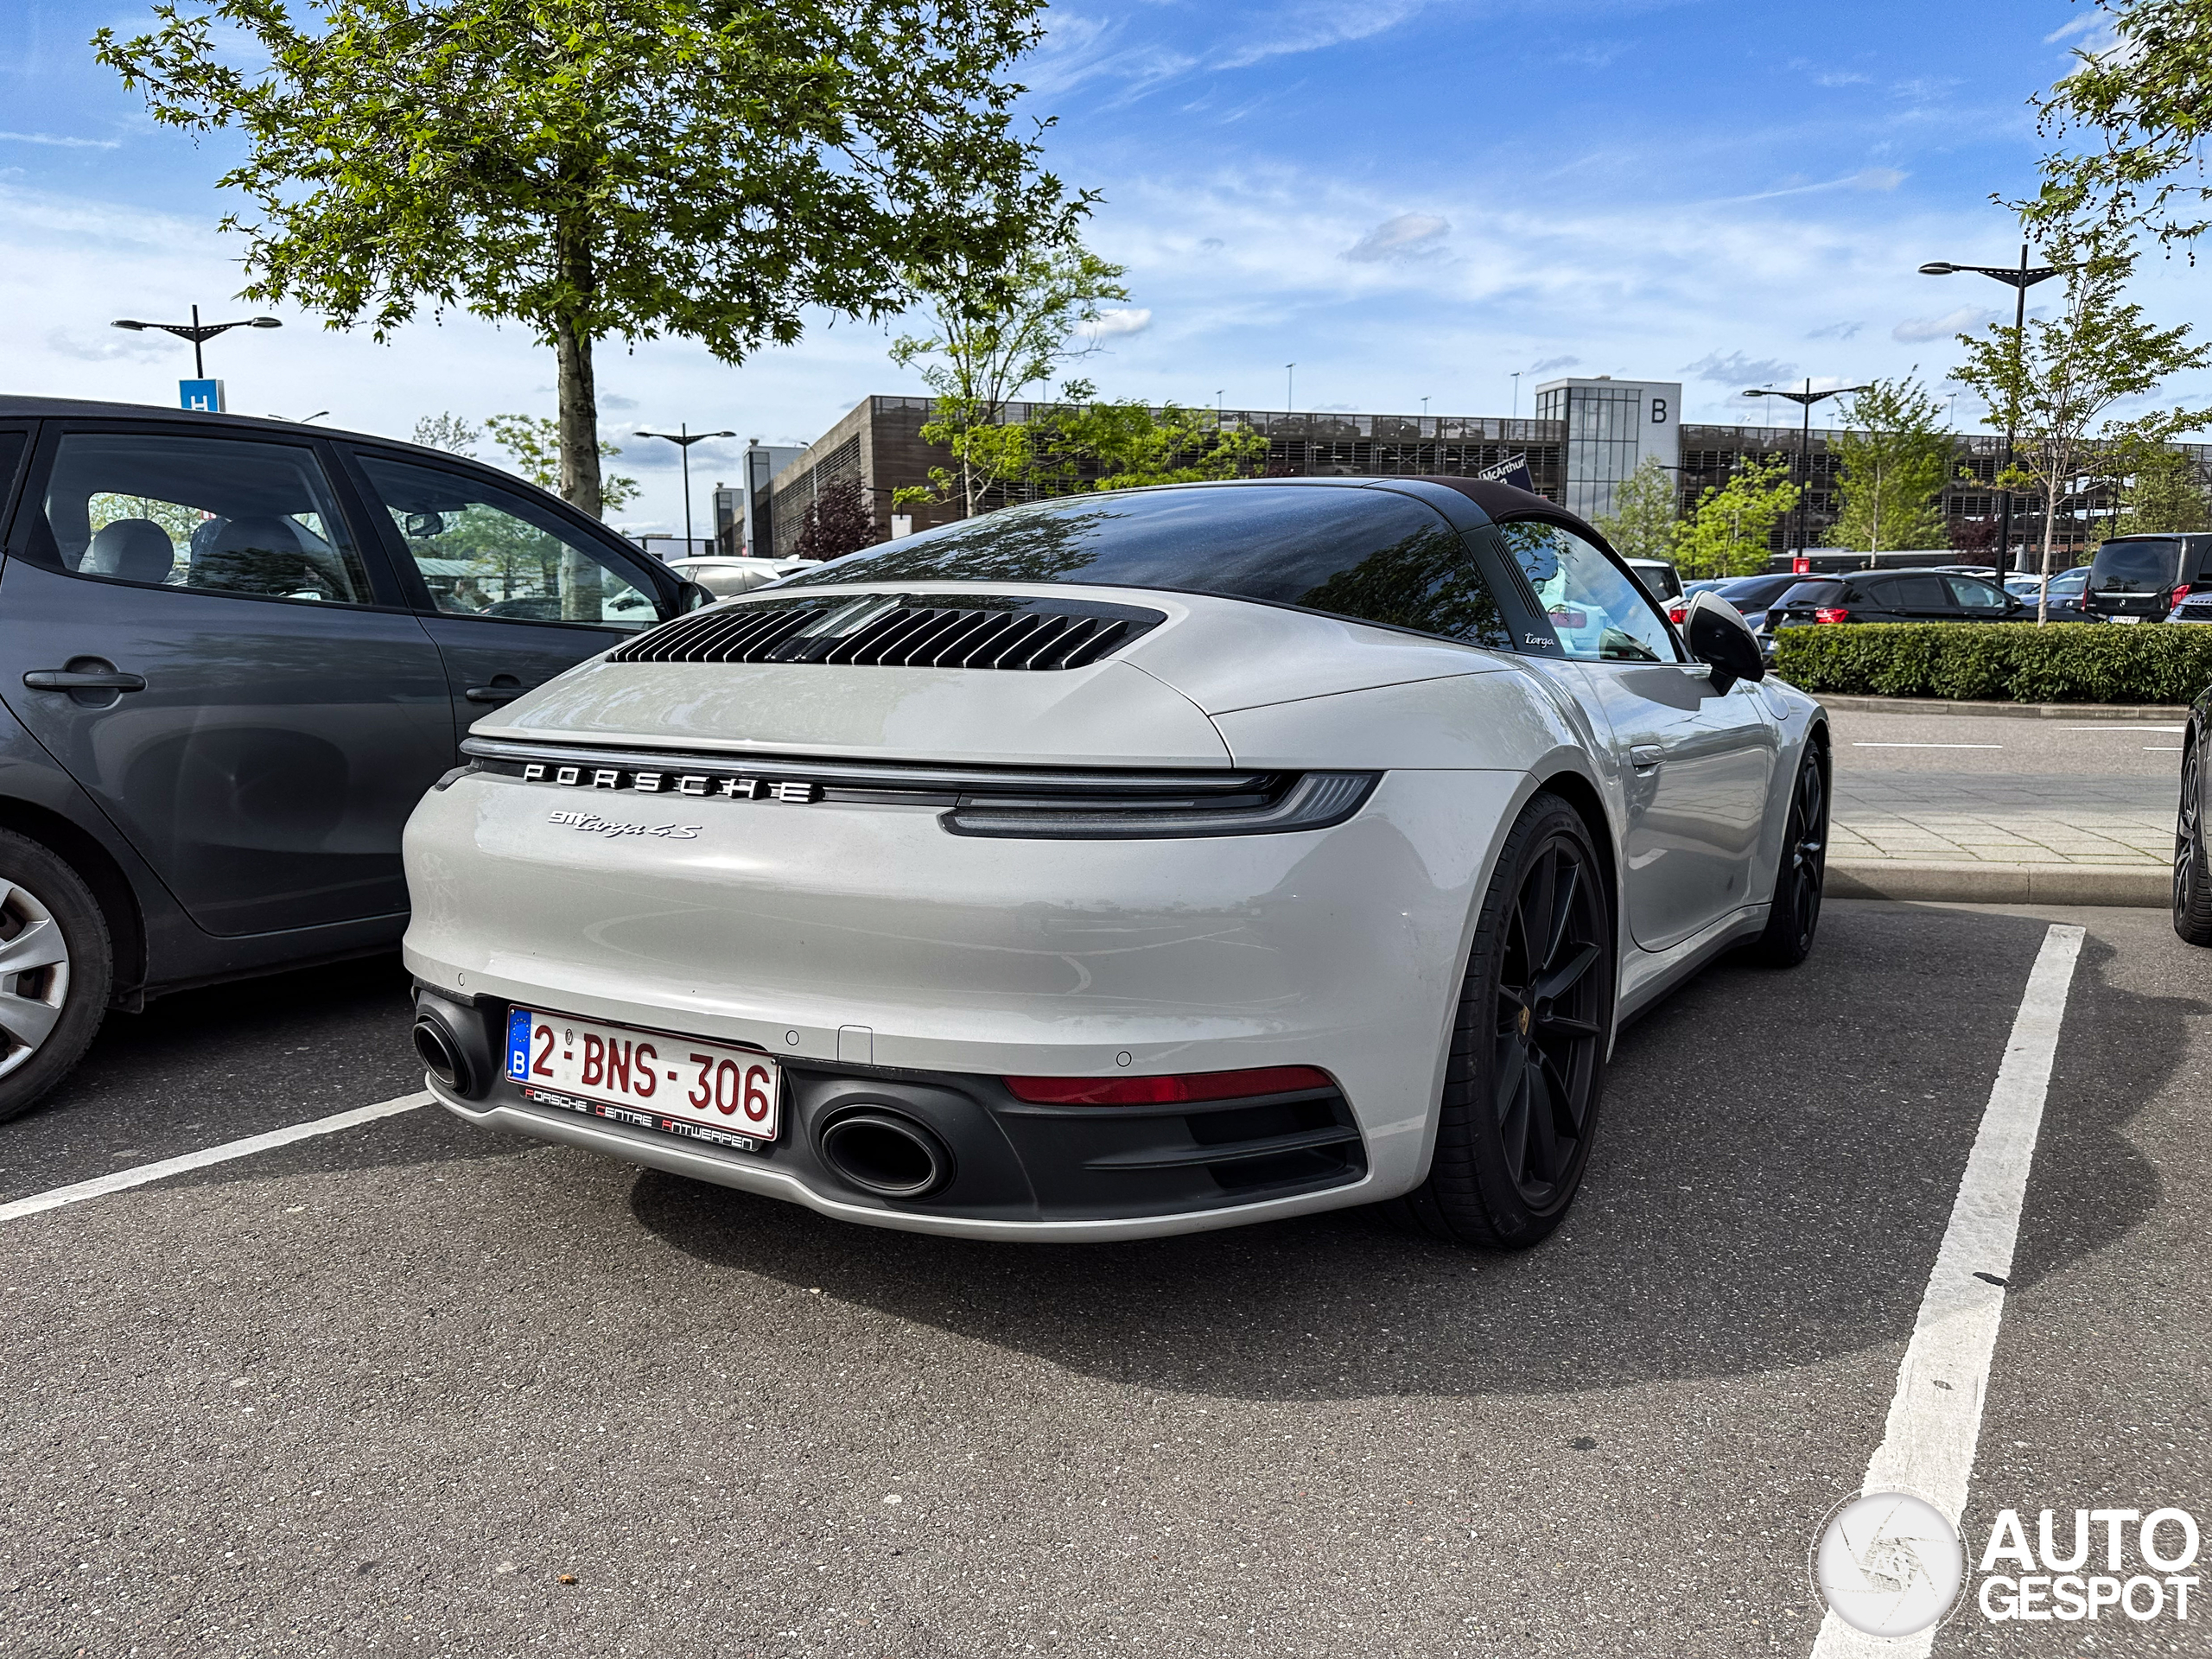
{"points": [[233, 655]]}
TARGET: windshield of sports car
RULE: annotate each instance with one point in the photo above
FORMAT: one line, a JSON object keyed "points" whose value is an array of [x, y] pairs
{"points": [[1367, 555]]}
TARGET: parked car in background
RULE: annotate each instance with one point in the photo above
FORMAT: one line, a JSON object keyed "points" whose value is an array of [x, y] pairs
{"points": [[2192, 895], [2067, 591], [234, 654], [1660, 578], [1750, 595], [1894, 596], [2142, 578], [1357, 813], [723, 576]]}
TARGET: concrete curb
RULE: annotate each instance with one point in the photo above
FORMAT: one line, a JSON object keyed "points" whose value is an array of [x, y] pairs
{"points": [[2161, 712], [2136, 886]]}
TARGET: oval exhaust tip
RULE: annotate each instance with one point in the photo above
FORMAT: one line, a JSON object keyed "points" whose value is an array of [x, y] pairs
{"points": [[891, 1156], [440, 1055]]}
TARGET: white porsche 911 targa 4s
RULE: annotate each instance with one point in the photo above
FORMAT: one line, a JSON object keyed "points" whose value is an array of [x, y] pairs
{"points": [[1128, 864]]}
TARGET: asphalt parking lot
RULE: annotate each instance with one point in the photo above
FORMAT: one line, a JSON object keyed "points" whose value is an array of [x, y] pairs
{"points": [[410, 1390]]}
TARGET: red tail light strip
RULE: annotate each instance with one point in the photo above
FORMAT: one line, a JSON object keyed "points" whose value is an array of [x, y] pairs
{"points": [[1168, 1090]]}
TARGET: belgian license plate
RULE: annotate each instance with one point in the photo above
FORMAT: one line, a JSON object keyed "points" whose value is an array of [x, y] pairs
{"points": [[678, 1085]]}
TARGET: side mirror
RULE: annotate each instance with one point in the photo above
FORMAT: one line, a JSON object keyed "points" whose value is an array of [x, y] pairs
{"points": [[1718, 636], [692, 597]]}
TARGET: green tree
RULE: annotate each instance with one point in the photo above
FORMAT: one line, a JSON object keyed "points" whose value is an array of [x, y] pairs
{"points": [[1726, 535], [1646, 506], [599, 169], [2146, 104], [1895, 457], [2161, 488], [995, 334], [447, 432], [535, 442], [2058, 380]]}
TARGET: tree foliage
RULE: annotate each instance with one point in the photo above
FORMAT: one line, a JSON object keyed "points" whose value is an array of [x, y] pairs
{"points": [[2144, 103], [2057, 381], [995, 334], [1646, 510], [837, 522], [535, 442], [607, 169], [447, 432], [1896, 458], [1725, 534], [2161, 488]]}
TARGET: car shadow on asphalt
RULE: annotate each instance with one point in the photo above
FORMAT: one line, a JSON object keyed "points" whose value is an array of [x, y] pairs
{"points": [[1777, 1163]]}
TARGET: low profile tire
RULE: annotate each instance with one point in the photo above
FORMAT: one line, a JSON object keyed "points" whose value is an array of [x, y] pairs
{"points": [[1796, 915], [1527, 1058], [2192, 881], [56, 967]]}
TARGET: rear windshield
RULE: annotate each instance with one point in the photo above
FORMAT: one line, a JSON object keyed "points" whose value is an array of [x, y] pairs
{"points": [[1367, 555], [2135, 566], [1760, 589], [1814, 593]]}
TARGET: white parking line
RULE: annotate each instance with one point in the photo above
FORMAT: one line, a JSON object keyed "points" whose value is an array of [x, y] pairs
{"points": [[1936, 1415], [100, 1185], [1927, 746]]}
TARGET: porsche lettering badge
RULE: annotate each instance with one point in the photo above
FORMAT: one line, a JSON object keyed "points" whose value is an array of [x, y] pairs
{"points": [[730, 785]]}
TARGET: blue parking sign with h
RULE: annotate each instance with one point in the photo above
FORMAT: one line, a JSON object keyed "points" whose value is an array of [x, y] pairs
{"points": [[205, 396]]}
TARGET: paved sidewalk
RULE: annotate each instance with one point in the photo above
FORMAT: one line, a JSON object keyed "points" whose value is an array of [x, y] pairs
{"points": [[1995, 809], [1981, 818]]}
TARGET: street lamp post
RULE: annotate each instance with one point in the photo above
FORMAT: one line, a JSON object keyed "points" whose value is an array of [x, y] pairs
{"points": [[683, 437], [2025, 277], [1289, 380], [1806, 398], [197, 332]]}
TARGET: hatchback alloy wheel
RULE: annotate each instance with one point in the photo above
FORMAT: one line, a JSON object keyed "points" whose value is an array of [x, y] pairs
{"points": [[34, 975]]}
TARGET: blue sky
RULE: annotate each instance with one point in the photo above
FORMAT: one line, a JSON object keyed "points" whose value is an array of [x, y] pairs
{"points": [[1408, 201]]}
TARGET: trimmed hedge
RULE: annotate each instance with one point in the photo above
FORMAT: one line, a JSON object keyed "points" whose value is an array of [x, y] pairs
{"points": [[2003, 662]]}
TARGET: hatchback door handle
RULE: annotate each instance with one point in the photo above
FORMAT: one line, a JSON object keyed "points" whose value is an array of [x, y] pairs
{"points": [[504, 688], [70, 679], [1645, 756]]}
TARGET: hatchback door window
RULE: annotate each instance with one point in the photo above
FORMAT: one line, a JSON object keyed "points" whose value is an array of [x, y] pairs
{"points": [[1599, 613], [217, 515], [2135, 566], [483, 552]]}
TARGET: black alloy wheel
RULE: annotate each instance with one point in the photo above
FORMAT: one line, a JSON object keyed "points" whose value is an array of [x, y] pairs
{"points": [[1796, 915], [1527, 1064], [2192, 882]]}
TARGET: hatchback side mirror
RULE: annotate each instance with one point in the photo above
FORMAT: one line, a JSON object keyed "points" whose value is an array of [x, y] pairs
{"points": [[1720, 637], [692, 597]]}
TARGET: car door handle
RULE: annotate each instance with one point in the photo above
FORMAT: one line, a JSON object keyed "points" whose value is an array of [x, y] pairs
{"points": [[1645, 757], [504, 688], [70, 679]]}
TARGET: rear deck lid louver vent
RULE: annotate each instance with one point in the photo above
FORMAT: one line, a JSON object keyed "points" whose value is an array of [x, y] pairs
{"points": [[981, 631]]}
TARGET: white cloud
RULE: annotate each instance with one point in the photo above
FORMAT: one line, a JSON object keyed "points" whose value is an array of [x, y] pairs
{"points": [[1546, 364], [1737, 369], [1840, 77], [1914, 331], [1408, 236], [59, 141], [1314, 27], [122, 348], [1836, 331], [1121, 321]]}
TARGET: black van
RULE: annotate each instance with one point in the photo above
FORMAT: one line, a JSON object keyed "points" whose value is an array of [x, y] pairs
{"points": [[2141, 578]]}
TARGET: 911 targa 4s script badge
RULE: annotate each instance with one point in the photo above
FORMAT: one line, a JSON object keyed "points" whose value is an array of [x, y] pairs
{"points": [[594, 824]]}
